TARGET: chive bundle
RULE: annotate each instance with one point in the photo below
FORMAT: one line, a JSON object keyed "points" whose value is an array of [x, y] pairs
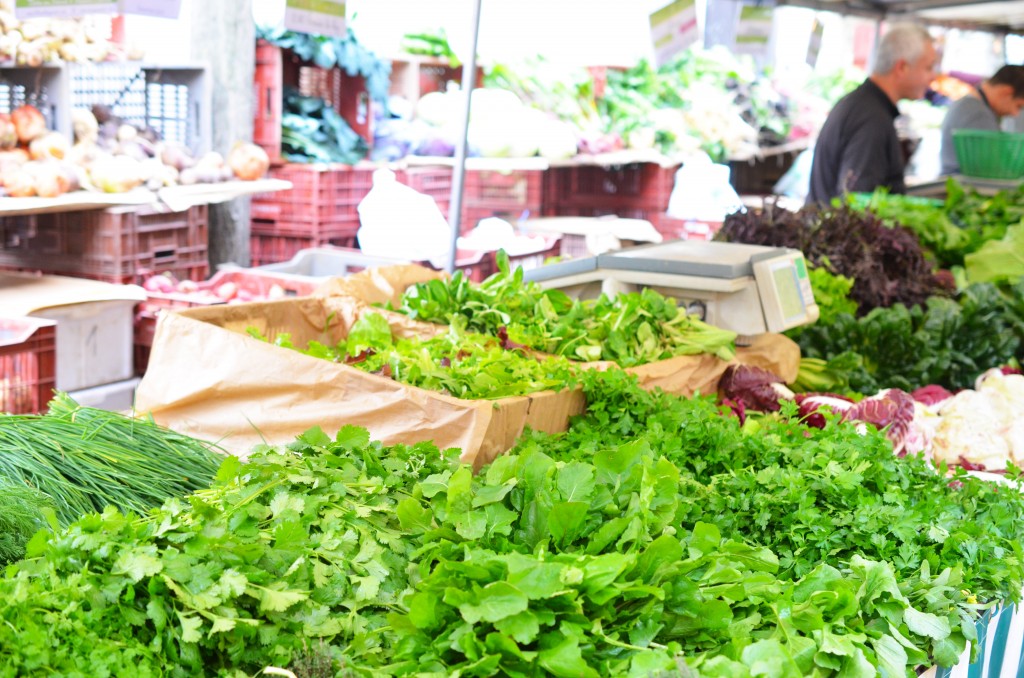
{"points": [[86, 459]]}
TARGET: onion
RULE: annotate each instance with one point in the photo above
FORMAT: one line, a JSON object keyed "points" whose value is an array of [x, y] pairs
{"points": [[158, 283], [49, 145], [29, 123], [227, 291], [248, 161]]}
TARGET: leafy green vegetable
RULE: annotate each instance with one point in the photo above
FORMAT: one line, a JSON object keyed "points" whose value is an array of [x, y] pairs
{"points": [[327, 52], [312, 131], [298, 544], [630, 329], [946, 342], [457, 363]]}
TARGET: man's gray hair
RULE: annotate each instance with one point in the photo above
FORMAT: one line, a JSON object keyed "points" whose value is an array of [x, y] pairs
{"points": [[904, 41]]}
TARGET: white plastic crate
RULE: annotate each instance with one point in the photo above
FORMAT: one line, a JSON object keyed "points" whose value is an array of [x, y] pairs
{"points": [[94, 342], [116, 397], [173, 100], [323, 262], [45, 87]]}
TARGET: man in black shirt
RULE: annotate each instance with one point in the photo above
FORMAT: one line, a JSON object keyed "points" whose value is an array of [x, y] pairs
{"points": [[858, 149]]}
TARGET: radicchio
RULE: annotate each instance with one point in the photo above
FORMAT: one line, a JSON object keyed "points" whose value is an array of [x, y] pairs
{"points": [[933, 394], [754, 388], [893, 408], [810, 403]]}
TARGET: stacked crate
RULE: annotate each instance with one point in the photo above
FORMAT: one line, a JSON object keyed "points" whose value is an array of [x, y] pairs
{"points": [[116, 245], [319, 209]]}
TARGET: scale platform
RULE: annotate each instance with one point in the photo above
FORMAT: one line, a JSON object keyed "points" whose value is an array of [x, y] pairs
{"points": [[750, 289]]}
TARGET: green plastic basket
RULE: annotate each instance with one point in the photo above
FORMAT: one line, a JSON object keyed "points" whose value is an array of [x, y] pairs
{"points": [[989, 155]]}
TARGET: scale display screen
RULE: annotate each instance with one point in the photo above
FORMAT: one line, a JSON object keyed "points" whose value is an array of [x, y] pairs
{"points": [[785, 289], [788, 287]]}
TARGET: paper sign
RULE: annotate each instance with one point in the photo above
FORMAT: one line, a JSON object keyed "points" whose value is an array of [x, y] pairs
{"points": [[319, 17], [165, 9], [28, 9], [673, 29], [814, 46], [754, 31]]}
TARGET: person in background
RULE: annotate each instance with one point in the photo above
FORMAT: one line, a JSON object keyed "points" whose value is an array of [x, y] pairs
{"points": [[1001, 96], [858, 148]]}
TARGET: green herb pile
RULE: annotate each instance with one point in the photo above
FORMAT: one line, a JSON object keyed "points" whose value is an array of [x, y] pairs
{"points": [[85, 459], [591, 553], [946, 341], [460, 364], [629, 329], [23, 512]]}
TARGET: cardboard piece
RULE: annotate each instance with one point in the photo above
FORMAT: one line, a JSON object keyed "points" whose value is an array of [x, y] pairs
{"points": [[207, 378], [22, 294], [682, 375]]}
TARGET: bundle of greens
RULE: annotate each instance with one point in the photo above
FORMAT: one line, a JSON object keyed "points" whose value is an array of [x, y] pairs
{"points": [[948, 342], [85, 459], [312, 131], [456, 363], [629, 329], [887, 265]]}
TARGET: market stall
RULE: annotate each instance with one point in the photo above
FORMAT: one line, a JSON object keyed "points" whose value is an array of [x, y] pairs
{"points": [[793, 450]]}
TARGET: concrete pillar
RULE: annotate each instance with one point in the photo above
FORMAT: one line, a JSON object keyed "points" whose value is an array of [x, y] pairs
{"points": [[224, 38]]}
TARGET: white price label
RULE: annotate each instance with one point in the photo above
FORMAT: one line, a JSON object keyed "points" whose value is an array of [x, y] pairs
{"points": [[29, 9], [754, 31], [319, 17], [814, 45], [673, 29], [165, 9]]}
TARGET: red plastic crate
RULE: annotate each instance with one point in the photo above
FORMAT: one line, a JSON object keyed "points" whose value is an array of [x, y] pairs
{"points": [[321, 204], [273, 249], [635, 186], [251, 284], [277, 68], [28, 360], [268, 99], [118, 245]]}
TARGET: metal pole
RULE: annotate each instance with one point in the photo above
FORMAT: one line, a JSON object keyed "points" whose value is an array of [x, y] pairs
{"points": [[468, 80]]}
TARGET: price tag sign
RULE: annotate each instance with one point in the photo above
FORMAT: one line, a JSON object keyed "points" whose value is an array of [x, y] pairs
{"points": [[673, 29], [28, 9], [754, 31], [165, 9], [319, 17], [814, 45]]}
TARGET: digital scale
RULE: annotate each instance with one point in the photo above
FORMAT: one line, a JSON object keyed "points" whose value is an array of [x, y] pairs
{"points": [[749, 289]]}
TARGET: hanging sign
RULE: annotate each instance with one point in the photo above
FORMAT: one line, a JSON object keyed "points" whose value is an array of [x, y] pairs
{"points": [[28, 9], [814, 46], [673, 29], [165, 9], [319, 17], [754, 31]]}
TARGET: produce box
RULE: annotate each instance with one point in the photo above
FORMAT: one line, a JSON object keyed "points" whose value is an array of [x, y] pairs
{"points": [[209, 379], [682, 375], [94, 324], [225, 287], [28, 353]]}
